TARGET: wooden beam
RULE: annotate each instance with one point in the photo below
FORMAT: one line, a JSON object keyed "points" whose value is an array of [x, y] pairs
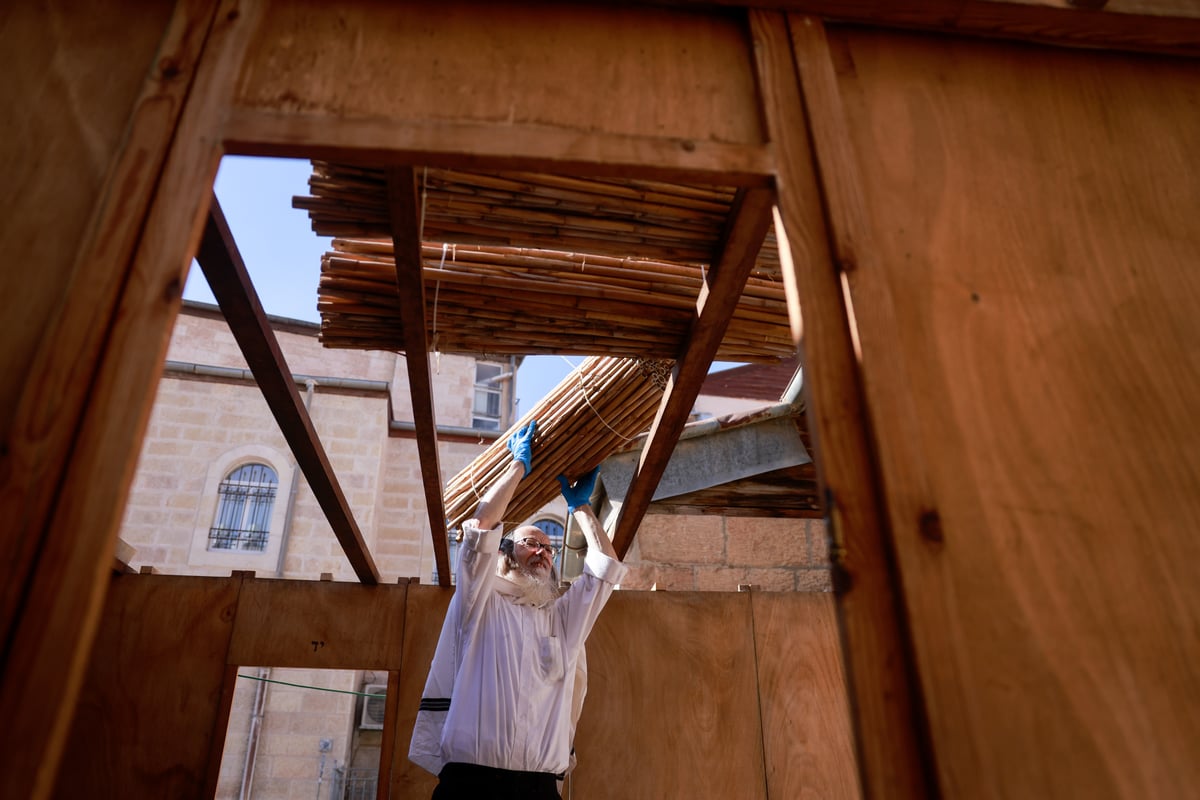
{"points": [[435, 91], [81, 402], [470, 145], [749, 222], [387, 742], [230, 283], [1170, 27], [404, 210], [303, 623], [885, 700]]}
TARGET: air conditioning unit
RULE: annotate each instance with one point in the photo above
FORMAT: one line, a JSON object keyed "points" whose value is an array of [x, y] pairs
{"points": [[373, 706]]}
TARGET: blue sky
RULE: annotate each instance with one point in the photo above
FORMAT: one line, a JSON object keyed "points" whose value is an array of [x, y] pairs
{"points": [[283, 255]]}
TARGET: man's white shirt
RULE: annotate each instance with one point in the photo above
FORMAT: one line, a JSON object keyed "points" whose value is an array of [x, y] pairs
{"points": [[514, 665]]}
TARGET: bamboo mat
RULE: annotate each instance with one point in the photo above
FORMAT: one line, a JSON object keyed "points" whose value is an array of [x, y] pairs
{"points": [[651, 219], [622, 277], [526, 301], [597, 408]]}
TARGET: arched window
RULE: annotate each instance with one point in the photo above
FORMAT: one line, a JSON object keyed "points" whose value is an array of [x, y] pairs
{"points": [[244, 502], [552, 528]]}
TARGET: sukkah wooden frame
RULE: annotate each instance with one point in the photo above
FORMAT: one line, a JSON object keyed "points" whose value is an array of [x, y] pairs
{"points": [[491, 289]]}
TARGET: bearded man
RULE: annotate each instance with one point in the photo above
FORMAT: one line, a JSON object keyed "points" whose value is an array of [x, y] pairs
{"points": [[497, 715]]}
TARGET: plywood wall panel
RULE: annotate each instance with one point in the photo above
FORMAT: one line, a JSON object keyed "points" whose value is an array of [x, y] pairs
{"points": [[96, 99], [152, 700], [807, 739], [1034, 212], [425, 612], [319, 625], [672, 708], [64, 122], [633, 71]]}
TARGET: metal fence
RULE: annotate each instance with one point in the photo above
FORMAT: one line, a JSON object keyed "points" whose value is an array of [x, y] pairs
{"points": [[354, 784]]}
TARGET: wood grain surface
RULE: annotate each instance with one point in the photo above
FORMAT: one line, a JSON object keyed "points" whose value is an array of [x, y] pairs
{"points": [[672, 708], [152, 704], [808, 743], [1034, 211]]}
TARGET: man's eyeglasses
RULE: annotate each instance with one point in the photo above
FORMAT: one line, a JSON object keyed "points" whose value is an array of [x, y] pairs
{"points": [[534, 544]]}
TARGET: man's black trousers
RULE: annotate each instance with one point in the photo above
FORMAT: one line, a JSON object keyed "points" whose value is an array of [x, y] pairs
{"points": [[472, 782]]}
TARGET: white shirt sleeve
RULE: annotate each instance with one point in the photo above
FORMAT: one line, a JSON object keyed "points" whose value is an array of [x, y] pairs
{"points": [[579, 608], [476, 567]]}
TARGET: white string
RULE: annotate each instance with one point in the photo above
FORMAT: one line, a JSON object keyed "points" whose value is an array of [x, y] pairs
{"points": [[437, 290], [471, 475]]}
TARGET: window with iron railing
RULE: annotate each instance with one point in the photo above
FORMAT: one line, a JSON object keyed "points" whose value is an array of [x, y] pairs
{"points": [[245, 499], [354, 783]]}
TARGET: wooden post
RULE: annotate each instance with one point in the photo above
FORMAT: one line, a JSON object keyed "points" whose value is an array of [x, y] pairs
{"points": [[87, 394], [884, 702]]}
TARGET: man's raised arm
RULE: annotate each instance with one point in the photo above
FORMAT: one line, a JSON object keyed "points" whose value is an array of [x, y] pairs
{"points": [[494, 502], [578, 497]]}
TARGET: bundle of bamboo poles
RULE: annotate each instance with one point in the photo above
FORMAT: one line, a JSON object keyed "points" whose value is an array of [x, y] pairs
{"points": [[521, 301], [602, 404], [656, 220]]}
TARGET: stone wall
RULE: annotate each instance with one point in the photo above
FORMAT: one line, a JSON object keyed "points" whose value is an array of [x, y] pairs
{"points": [[719, 554]]}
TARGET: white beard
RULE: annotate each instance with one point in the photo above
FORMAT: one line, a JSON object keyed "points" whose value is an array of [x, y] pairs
{"points": [[531, 587]]}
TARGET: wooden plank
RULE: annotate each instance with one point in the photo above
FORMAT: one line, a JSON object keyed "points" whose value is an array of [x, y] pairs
{"points": [[493, 145], [123, 555], [718, 298], [149, 717], [808, 741], [230, 283], [404, 209], [886, 708], [319, 625], [672, 697], [1150, 26], [69, 138], [220, 729], [387, 743], [423, 624], [1041, 255], [648, 72], [70, 430]]}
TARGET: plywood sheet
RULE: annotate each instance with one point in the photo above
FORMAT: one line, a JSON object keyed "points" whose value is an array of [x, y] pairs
{"points": [[58, 149], [99, 97], [808, 744], [1035, 215], [151, 702], [319, 625], [629, 71], [425, 612], [672, 700]]}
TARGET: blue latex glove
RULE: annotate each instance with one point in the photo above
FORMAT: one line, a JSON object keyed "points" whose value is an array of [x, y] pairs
{"points": [[581, 493], [520, 444]]}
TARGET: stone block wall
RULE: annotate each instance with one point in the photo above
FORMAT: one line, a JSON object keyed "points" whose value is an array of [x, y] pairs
{"points": [[298, 715], [719, 554]]}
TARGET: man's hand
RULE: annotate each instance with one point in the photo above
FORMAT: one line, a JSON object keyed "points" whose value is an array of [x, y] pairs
{"points": [[520, 444], [581, 493]]}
